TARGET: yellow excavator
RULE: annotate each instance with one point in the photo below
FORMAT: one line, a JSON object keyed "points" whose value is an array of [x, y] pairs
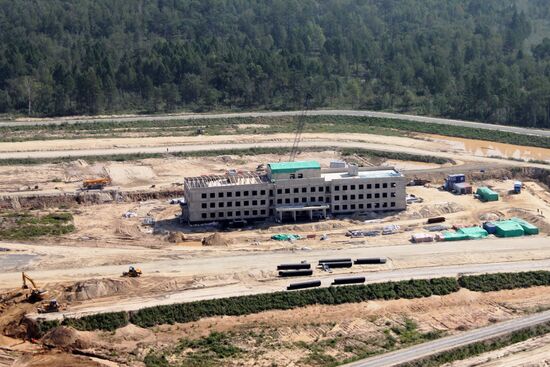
{"points": [[132, 272], [96, 183], [36, 294], [51, 306]]}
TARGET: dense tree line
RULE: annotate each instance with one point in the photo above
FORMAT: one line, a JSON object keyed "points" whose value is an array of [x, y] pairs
{"points": [[459, 58]]}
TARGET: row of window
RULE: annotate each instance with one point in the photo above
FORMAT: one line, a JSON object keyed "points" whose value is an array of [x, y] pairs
{"points": [[296, 190], [363, 206], [303, 200], [383, 185], [236, 214], [230, 194], [376, 195], [230, 204]]}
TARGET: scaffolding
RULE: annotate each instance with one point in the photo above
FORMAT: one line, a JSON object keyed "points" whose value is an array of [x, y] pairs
{"points": [[230, 179]]}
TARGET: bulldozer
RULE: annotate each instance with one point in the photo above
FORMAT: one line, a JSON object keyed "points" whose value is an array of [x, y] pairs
{"points": [[96, 183], [51, 306], [36, 294], [132, 272]]}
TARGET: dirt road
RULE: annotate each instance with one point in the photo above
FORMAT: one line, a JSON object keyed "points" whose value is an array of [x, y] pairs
{"points": [[411, 118]]}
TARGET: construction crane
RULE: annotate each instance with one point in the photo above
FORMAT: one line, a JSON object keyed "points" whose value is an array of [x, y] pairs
{"points": [[96, 183], [36, 293], [299, 129]]}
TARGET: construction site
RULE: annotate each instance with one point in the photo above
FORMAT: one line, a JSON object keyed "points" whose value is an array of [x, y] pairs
{"points": [[82, 237]]}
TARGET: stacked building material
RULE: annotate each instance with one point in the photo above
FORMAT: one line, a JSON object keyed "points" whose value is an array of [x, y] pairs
{"points": [[508, 228], [473, 233], [528, 228], [486, 194]]}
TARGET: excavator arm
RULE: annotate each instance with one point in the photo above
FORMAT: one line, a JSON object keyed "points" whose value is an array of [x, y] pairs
{"points": [[25, 278]]}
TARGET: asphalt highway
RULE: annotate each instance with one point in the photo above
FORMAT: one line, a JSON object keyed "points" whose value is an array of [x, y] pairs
{"points": [[451, 342], [412, 118]]}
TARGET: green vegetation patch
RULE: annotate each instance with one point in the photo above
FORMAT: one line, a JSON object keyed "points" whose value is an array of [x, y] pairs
{"points": [[24, 225], [500, 281]]}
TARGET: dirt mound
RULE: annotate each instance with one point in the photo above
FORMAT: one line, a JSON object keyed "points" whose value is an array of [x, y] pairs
{"points": [[66, 337], [128, 231], [215, 239], [490, 217], [134, 333], [434, 210], [175, 237], [97, 288]]}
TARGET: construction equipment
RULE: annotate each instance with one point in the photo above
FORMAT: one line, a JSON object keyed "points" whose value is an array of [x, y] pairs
{"points": [[96, 183], [36, 293], [132, 272], [299, 129], [52, 306]]}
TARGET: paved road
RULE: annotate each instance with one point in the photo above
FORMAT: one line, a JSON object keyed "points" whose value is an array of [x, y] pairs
{"points": [[412, 118], [443, 344]]}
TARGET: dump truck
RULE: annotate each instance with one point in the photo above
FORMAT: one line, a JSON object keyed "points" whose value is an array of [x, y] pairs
{"points": [[132, 272], [96, 183], [36, 294]]}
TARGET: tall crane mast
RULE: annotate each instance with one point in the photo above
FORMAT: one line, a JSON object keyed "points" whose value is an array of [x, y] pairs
{"points": [[299, 129]]}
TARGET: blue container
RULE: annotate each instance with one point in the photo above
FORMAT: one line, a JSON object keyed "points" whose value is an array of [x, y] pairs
{"points": [[490, 227]]}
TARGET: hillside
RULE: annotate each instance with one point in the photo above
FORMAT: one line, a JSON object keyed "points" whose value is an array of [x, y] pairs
{"points": [[481, 60]]}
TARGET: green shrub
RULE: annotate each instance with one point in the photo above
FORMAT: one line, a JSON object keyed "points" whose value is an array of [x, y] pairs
{"points": [[499, 281]]}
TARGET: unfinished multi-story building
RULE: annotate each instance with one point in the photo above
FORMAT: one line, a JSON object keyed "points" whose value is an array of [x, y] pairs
{"points": [[292, 190]]}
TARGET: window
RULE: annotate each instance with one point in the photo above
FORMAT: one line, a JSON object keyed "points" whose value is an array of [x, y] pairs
{"points": [[203, 205], [392, 194], [313, 189], [255, 202], [312, 199], [337, 197], [300, 175], [212, 195], [361, 187], [246, 212], [220, 205], [287, 191], [392, 204], [279, 191], [229, 194], [369, 205], [385, 185], [304, 200], [237, 203], [345, 188], [292, 176], [296, 190], [369, 196], [254, 193], [296, 200], [238, 213], [229, 214], [385, 205], [212, 215], [203, 215], [304, 189], [352, 197], [254, 212], [287, 201], [393, 184], [279, 201], [369, 186], [262, 192], [220, 214], [345, 207], [203, 195], [321, 189], [344, 197], [361, 196], [377, 205], [270, 202], [262, 202], [352, 187], [262, 212], [212, 205], [321, 199], [245, 193], [384, 194], [377, 195], [270, 192], [246, 203], [377, 186], [361, 206], [229, 204], [336, 207], [238, 194], [220, 194], [352, 206], [336, 188]]}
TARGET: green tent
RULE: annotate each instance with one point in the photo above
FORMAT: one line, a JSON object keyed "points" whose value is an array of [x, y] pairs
{"points": [[285, 237], [486, 194], [528, 228], [454, 236], [474, 232], [508, 228]]}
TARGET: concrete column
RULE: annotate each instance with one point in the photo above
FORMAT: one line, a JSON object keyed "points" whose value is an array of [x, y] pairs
{"points": [[294, 215], [310, 214]]}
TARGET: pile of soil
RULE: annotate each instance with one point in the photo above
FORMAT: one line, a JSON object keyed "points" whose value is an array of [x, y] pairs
{"points": [[175, 237], [97, 288], [428, 211], [128, 231], [66, 337], [215, 239]]}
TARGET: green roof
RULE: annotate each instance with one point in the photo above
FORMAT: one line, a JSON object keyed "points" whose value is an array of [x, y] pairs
{"points": [[290, 167]]}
